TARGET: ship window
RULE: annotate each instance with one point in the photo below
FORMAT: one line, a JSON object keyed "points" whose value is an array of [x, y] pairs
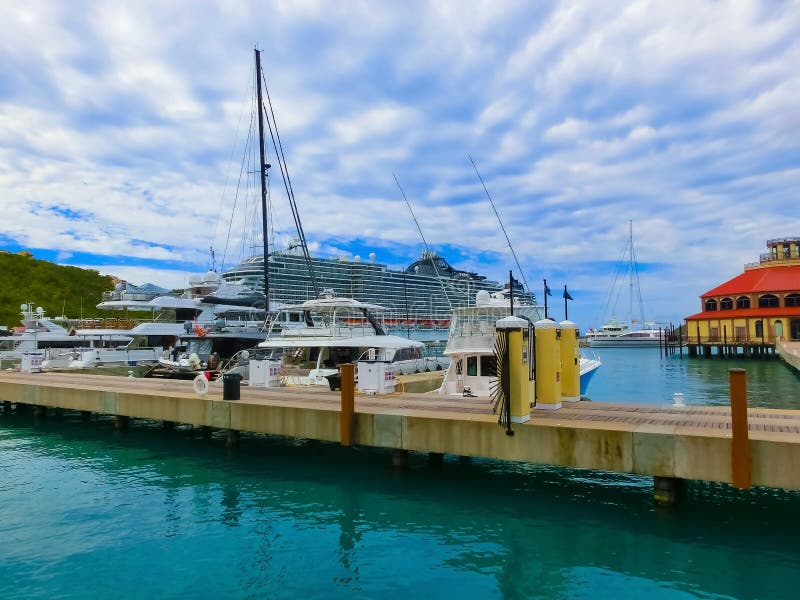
{"points": [[488, 366], [711, 304], [472, 366], [768, 301], [792, 300], [726, 304], [743, 302]]}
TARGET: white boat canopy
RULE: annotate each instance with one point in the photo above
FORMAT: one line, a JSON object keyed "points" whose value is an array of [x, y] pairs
{"points": [[334, 304], [363, 341]]}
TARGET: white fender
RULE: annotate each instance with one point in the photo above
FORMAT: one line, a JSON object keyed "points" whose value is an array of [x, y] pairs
{"points": [[200, 384]]}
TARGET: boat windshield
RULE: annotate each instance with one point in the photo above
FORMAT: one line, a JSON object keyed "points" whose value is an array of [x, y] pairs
{"points": [[201, 347], [481, 320]]}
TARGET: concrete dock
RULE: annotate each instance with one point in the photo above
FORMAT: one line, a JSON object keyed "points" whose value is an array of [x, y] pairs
{"points": [[790, 353], [670, 444]]}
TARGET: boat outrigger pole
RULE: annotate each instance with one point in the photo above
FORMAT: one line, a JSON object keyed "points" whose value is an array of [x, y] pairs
{"points": [[499, 220], [263, 170]]}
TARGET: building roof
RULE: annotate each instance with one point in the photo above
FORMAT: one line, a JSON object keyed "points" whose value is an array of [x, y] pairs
{"points": [[774, 313], [785, 278]]}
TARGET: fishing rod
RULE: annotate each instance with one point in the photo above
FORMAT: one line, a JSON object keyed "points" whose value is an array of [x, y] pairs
{"points": [[505, 233], [425, 243]]}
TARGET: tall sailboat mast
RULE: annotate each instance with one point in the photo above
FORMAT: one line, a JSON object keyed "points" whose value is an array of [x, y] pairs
{"points": [[630, 272], [263, 170]]}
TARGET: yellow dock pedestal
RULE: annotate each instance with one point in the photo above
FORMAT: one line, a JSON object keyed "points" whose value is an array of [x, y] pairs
{"points": [[548, 365], [570, 362], [521, 387]]}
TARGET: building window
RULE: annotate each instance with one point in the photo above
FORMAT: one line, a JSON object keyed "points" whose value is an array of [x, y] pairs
{"points": [[768, 301], [786, 253], [743, 302], [792, 300], [759, 329], [726, 304], [711, 304]]}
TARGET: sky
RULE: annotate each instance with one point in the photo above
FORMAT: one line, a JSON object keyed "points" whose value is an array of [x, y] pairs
{"points": [[125, 128]]}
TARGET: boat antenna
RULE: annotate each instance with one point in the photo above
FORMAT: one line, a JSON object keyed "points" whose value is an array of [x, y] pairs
{"points": [[287, 182], [425, 243], [263, 173], [499, 220]]}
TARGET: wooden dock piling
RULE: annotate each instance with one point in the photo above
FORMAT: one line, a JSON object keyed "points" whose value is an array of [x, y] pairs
{"points": [[740, 443], [348, 404]]}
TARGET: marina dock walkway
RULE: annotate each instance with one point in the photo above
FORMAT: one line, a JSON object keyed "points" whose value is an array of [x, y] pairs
{"points": [[790, 353], [692, 443]]}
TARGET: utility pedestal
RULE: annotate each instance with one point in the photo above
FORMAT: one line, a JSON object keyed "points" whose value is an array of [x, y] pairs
{"points": [[521, 387]]}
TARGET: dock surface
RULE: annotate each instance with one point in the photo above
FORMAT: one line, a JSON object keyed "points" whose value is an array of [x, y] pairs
{"points": [[661, 441], [790, 353]]}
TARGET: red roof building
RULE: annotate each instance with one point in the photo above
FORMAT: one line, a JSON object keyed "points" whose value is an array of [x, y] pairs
{"points": [[762, 305]]}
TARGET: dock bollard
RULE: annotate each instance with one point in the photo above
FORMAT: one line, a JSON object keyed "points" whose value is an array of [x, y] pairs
{"points": [[231, 386], [348, 404], [740, 442]]}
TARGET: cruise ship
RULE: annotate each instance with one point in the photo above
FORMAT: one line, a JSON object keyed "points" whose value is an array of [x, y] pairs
{"points": [[422, 296]]}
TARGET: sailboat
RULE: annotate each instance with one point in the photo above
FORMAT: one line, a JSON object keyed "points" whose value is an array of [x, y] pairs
{"points": [[614, 333], [220, 346]]}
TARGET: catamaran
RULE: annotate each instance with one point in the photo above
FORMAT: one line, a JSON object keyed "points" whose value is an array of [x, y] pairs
{"points": [[333, 331]]}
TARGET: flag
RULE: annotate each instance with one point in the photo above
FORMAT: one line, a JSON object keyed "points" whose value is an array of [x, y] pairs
{"points": [[566, 294], [547, 289]]}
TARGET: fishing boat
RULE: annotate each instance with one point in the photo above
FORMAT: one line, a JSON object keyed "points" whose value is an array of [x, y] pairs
{"points": [[470, 346]]}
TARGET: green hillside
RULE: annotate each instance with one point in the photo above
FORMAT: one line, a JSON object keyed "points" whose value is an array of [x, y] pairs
{"points": [[53, 287]]}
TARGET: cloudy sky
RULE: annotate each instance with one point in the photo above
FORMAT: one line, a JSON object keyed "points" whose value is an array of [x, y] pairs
{"points": [[124, 132]]}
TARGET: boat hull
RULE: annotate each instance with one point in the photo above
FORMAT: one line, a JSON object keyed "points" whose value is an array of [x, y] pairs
{"points": [[624, 343]]}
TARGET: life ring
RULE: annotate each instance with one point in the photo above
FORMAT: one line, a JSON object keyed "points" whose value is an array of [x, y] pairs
{"points": [[200, 385]]}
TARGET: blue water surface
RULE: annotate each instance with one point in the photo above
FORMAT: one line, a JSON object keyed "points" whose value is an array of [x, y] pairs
{"points": [[88, 512], [644, 375]]}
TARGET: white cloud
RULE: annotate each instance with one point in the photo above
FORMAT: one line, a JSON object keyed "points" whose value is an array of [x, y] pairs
{"points": [[680, 117]]}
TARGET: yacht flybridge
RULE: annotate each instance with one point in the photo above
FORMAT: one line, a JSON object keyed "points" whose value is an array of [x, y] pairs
{"points": [[470, 347]]}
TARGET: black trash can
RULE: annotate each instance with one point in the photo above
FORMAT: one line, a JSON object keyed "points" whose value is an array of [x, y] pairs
{"points": [[231, 386], [334, 381]]}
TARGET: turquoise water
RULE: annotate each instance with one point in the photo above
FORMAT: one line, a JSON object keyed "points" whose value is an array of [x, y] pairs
{"points": [[642, 375], [89, 512]]}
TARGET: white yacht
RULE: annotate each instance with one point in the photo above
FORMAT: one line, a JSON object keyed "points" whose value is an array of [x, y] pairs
{"points": [[650, 337], [55, 346], [609, 331], [470, 346], [329, 331]]}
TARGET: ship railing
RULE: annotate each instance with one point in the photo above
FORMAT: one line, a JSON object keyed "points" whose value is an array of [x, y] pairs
{"points": [[712, 340]]}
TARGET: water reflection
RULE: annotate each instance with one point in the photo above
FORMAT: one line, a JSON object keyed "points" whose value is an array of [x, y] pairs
{"points": [[282, 519]]}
